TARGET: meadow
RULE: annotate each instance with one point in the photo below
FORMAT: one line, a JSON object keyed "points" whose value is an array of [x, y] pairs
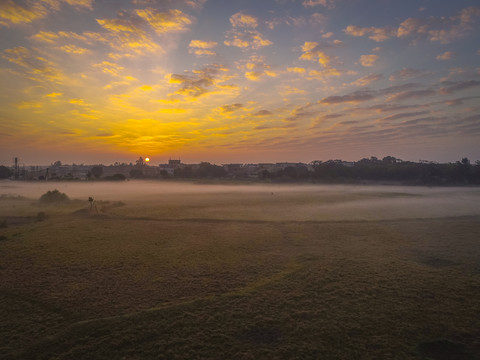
{"points": [[170, 270]]}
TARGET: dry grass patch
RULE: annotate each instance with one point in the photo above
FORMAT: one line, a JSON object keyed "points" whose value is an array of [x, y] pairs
{"points": [[213, 284]]}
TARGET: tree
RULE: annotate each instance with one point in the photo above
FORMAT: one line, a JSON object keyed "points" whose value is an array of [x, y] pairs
{"points": [[265, 174], [54, 196], [97, 171], [389, 160], [116, 177], [136, 173], [164, 174], [463, 171], [205, 169], [184, 172], [5, 172]]}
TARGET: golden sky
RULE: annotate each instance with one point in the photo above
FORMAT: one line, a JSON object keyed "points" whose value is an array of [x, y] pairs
{"points": [[97, 81]]}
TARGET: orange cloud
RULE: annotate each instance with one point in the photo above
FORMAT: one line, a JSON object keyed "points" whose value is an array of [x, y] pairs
{"points": [[366, 80], [30, 105], [203, 44], [230, 108], [326, 3], [374, 33], [298, 70], [165, 21], [237, 43], [311, 51], [196, 4], [411, 26], [443, 30], [323, 74], [253, 75], [368, 60], [202, 48], [204, 52], [80, 3], [126, 34], [110, 68], [46, 36], [52, 37], [196, 84], [243, 33], [291, 90], [54, 95], [258, 68], [447, 55], [12, 13], [79, 102], [243, 20], [72, 49], [37, 68], [119, 25], [246, 39]]}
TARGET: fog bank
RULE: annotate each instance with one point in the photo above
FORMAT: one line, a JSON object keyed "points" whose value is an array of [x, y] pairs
{"points": [[265, 201]]}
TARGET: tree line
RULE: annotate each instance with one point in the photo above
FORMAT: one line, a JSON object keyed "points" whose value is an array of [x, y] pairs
{"points": [[386, 170], [389, 169]]}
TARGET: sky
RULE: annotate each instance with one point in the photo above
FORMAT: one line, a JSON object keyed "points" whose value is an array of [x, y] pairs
{"points": [[104, 81]]}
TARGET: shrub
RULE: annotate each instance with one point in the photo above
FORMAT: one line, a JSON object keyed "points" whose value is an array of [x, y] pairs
{"points": [[116, 177], [41, 216], [5, 172], [53, 197]]}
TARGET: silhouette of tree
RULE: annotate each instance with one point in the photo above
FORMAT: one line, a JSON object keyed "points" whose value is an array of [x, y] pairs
{"points": [[205, 169], [97, 171], [389, 160], [136, 173], [265, 174], [116, 177], [54, 196], [184, 172], [5, 172], [164, 174]]}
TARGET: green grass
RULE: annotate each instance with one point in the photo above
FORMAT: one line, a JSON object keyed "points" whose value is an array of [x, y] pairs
{"points": [[196, 276]]}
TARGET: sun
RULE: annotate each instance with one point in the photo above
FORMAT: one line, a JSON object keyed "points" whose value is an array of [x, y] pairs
{"points": [[147, 159]]}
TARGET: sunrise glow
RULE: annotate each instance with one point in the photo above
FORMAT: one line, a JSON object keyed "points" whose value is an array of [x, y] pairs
{"points": [[238, 81]]}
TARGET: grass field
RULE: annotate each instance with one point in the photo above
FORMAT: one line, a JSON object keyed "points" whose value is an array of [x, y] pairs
{"points": [[183, 271]]}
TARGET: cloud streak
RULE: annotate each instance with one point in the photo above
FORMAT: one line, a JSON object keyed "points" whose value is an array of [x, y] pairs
{"points": [[443, 30], [354, 98]]}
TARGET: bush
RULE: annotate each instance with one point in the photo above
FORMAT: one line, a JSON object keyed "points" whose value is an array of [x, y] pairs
{"points": [[41, 216], [136, 174], [53, 197], [116, 177], [5, 172]]}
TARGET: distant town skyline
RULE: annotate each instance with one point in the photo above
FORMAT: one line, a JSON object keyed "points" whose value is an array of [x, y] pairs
{"points": [[98, 82]]}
